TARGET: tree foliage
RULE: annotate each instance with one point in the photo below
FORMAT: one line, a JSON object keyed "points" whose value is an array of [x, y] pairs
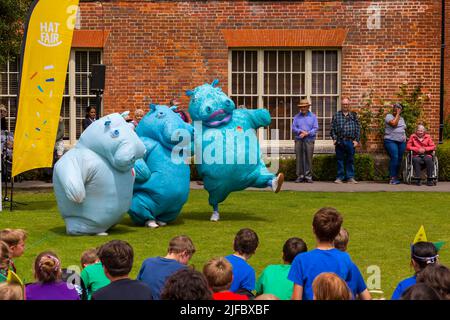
{"points": [[13, 14]]}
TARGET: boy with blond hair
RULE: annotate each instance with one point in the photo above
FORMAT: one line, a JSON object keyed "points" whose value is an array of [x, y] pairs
{"points": [[15, 239], [219, 273]]}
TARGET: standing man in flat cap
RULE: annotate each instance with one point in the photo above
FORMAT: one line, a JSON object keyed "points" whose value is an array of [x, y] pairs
{"points": [[304, 127]]}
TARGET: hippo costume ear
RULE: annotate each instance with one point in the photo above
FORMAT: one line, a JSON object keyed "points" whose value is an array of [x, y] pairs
{"points": [[152, 107], [125, 114], [215, 83], [189, 93], [173, 108]]}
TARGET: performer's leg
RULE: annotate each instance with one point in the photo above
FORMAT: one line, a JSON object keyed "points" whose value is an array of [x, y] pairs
{"points": [[139, 211], [215, 215]]}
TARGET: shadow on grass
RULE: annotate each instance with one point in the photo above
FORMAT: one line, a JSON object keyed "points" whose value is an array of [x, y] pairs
{"points": [[224, 216], [116, 230], [21, 204]]}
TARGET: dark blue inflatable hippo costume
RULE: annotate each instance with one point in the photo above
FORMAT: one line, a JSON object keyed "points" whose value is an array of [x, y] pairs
{"points": [[162, 177], [227, 153]]}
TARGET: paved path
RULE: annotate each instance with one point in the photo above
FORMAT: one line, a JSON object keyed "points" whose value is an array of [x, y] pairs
{"points": [[308, 187]]}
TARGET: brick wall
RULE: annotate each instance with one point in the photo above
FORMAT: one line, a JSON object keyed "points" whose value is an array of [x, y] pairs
{"points": [[161, 48]]}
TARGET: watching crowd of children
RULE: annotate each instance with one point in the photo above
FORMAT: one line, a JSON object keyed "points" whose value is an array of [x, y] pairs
{"points": [[324, 273]]}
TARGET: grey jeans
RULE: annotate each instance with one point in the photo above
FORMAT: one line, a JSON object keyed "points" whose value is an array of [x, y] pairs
{"points": [[304, 151]]}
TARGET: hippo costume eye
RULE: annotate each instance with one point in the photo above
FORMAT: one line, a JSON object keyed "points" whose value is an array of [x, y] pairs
{"points": [[115, 133], [160, 115]]}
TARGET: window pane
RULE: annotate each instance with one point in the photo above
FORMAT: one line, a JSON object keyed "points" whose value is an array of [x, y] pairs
{"points": [[81, 61], [94, 58], [248, 83], [331, 83], [331, 61], [272, 61], [234, 83], [4, 83], [234, 61], [240, 84], [282, 83], [317, 61], [81, 84], [317, 83], [13, 83], [250, 61]]}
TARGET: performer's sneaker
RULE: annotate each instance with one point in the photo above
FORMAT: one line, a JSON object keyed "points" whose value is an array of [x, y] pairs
{"points": [[215, 216], [102, 234], [277, 183], [151, 224], [161, 223]]}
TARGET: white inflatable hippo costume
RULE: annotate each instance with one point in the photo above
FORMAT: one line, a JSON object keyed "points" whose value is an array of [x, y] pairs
{"points": [[93, 182]]}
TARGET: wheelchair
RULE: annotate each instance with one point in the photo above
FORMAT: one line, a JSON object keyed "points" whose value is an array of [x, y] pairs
{"points": [[408, 169]]}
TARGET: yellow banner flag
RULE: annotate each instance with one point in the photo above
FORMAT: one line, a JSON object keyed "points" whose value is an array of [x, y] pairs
{"points": [[45, 56]]}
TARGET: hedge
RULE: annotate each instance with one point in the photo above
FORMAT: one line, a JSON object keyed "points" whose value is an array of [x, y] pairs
{"points": [[366, 168], [443, 155]]}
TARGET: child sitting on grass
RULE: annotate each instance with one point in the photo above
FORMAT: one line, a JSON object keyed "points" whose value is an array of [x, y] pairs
{"points": [[357, 283], [15, 239], [11, 291], [92, 275], [219, 274], [49, 286], [328, 286], [245, 243], [307, 266], [422, 254], [273, 279], [4, 261]]}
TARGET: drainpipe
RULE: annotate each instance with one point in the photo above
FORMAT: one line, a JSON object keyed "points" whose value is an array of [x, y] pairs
{"points": [[441, 108]]}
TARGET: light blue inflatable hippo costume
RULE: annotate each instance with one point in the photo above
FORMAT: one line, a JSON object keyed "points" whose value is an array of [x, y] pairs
{"points": [[227, 167], [162, 177], [93, 182]]}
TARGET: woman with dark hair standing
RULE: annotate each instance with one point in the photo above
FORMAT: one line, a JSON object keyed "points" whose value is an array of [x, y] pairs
{"points": [[91, 114], [49, 286], [395, 141]]}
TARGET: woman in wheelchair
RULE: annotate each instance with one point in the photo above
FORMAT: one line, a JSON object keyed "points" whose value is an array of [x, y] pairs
{"points": [[422, 148]]}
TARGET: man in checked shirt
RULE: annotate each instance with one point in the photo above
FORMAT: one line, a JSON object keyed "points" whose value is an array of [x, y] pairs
{"points": [[345, 132]]}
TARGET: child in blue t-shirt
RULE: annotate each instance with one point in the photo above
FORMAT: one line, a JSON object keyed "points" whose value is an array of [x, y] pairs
{"points": [[325, 258], [422, 254], [357, 284], [244, 278]]}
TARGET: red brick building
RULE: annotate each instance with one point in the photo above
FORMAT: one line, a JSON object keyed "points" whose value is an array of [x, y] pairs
{"points": [[265, 54]]}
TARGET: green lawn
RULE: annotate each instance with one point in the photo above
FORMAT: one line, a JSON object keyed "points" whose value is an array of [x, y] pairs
{"points": [[381, 227]]}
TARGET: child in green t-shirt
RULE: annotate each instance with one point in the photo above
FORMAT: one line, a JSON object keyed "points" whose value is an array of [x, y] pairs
{"points": [[4, 261], [93, 276], [274, 278]]}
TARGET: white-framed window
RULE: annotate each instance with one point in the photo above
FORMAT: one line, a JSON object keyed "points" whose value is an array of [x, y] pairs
{"points": [[9, 75], [77, 96], [277, 79]]}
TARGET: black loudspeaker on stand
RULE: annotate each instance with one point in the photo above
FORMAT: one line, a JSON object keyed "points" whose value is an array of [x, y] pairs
{"points": [[6, 174], [98, 84]]}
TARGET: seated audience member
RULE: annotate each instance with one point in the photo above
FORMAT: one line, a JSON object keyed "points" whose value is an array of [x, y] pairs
{"points": [[5, 261], [307, 266], [49, 285], [116, 257], [436, 276], [357, 283], [219, 274], [244, 280], [422, 254], [267, 296], [186, 284], [329, 286], [422, 146], [155, 271], [420, 291], [93, 275], [11, 291], [273, 279], [15, 239]]}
